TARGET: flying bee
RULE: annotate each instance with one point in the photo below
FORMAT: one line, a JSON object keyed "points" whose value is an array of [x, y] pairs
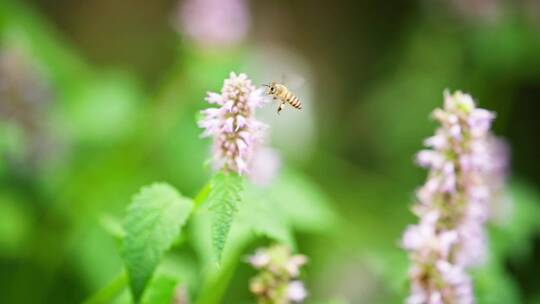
{"points": [[281, 92]]}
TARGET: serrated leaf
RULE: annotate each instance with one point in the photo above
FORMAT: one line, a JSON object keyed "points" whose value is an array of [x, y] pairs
{"points": [[152, 223], [223, 200]]}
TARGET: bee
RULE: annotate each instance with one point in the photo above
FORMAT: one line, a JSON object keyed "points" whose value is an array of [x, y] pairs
{"points": [[281, 93]]}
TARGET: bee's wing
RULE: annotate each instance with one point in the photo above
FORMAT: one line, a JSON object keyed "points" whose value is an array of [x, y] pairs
{"points": [[279, 65]]}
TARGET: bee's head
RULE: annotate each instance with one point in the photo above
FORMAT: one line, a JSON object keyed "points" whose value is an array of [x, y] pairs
{"points": [[271, 87]]}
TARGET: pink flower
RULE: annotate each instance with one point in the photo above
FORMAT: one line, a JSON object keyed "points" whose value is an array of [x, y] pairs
{"points": [[296, 291], [294, 263], [277, 281], [233, 127], [214, 22], [453, 204], [260, 259]]}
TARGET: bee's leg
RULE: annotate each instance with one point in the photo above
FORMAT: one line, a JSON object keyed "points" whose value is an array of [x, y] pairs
{"points": [[281, 106]]}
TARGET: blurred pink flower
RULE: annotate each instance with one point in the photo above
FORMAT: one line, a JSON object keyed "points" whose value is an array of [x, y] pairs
{"points": [[453, 204], [296, 291], [260, 259], [233, 127], [276, 281], [478, 10], [214, 22], [25, 96], [266, 165]]}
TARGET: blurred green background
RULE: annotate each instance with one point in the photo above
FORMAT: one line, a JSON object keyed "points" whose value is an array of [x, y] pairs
{"points": [[98, 98]]}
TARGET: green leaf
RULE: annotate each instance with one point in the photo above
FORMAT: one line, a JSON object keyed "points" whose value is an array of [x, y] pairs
{"points": [[223, 200], [16, 225], [215, 279], [512, 236], [260, 214], [109, 292], [331, 301], [152, 223], [305, 207], [202, 195], [173, 275], [494, 285], [160, 290], [112, 226]]}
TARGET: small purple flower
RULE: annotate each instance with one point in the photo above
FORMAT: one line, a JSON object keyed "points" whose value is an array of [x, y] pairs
{"points": [[277, 281], [296, 291], [294, 263], [260, 259], [233, 127], [453, 204]]}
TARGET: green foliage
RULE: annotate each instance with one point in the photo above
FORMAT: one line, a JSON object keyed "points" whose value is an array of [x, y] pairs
{"points": [[331, 301], [223, 200], [202, 195], [152, 223], [161, 289], [112, 226], [493, 285], [291, 203], [304, 206], [109, 292], [15, 225], [111, 98], [215, 278], [511, 237], [173, 275], [264, 211], [104, 132], [261, 215]]}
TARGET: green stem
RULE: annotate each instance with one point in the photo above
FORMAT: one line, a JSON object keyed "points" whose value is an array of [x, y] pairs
{"points": [[214, 287], [202, 195]]}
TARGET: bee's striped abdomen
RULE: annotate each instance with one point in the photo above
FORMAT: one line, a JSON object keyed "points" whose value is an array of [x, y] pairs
{"points": [[295, 102], [291, 99]]}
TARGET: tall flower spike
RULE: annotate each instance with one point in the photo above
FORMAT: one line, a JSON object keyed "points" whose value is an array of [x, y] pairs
{"points": [[277, 281], [233, 127], [453, 204]]}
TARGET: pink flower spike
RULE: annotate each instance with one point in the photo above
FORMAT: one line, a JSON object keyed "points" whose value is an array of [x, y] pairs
{"points": [[233, 127], [277, 280], [452, 204]]}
